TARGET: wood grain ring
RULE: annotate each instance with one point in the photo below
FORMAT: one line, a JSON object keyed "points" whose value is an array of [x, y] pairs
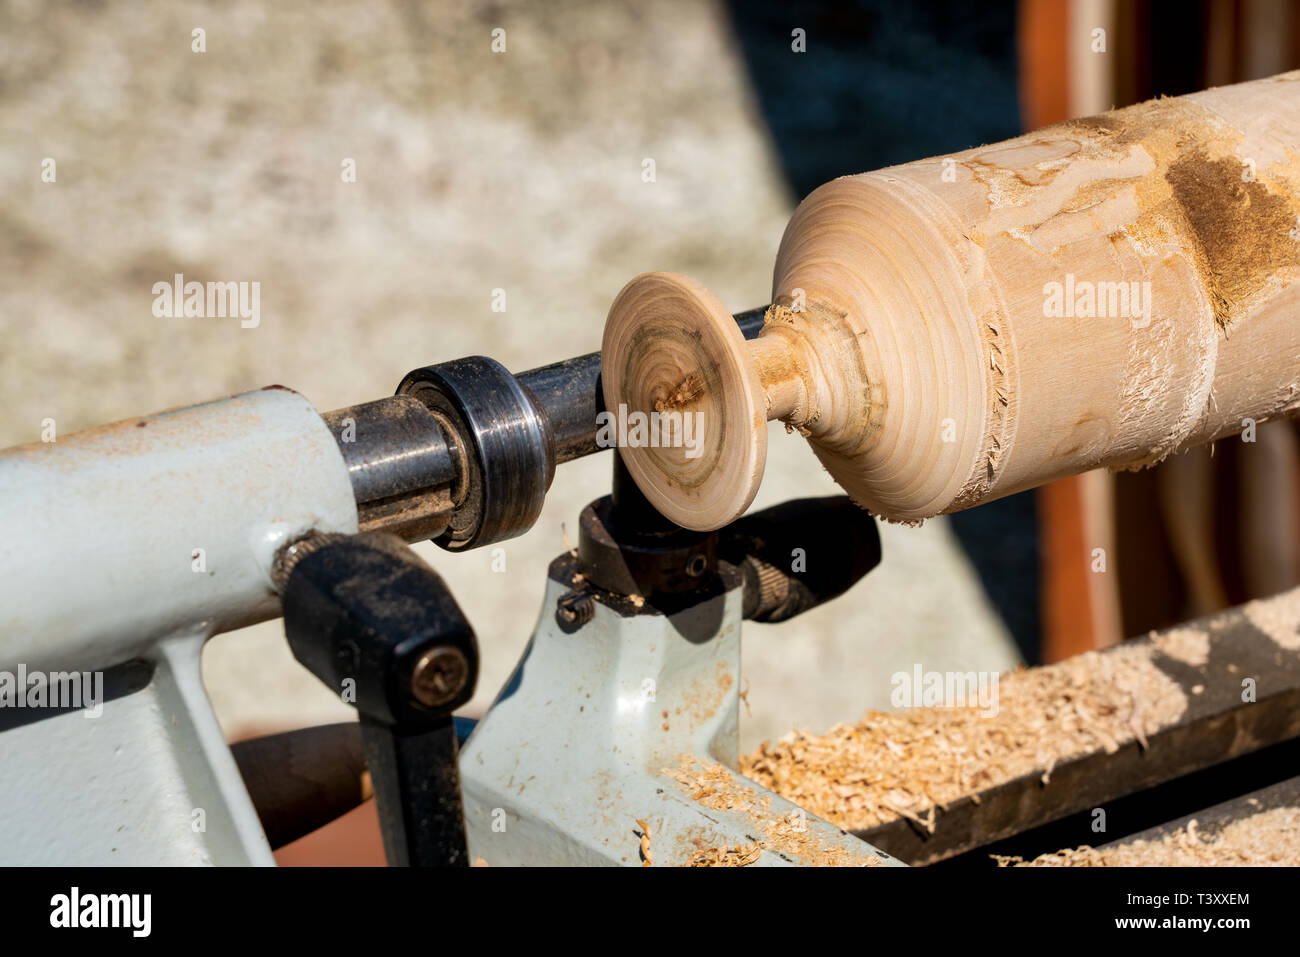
{"points": [[671, 346]]}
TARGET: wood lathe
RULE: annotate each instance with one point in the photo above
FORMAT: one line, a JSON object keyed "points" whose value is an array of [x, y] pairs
{"points": [[1103, 292]]}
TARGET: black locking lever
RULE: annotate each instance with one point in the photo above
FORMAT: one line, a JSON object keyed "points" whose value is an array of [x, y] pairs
{"points": [[381, 629], [800, 554]]}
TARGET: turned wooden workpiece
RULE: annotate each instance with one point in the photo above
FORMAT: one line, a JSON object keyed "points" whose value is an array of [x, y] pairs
{"points": [[1103, 292]]}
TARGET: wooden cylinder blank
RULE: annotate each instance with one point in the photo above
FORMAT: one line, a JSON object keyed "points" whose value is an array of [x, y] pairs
{"points": [[1103, 292]]}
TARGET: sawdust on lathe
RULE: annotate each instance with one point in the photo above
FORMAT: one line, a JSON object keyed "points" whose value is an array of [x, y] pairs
{"points": [[1191, 646], [1277, 617], [741, 855], [715, 787], [1268, 839], [907, 764]]}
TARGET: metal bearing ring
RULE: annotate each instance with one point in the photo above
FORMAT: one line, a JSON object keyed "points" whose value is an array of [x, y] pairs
{"points": [[502, 437]]}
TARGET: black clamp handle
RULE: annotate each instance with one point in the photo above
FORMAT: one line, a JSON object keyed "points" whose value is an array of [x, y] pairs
{"points": [[380, 628], [800, 554]]}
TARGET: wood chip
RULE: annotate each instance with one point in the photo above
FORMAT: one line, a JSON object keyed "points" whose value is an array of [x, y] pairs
{"points": [[647, 860]]}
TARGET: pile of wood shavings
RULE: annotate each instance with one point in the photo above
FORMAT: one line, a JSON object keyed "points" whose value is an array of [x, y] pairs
{"points": [[910, 763], [1268, 839]]}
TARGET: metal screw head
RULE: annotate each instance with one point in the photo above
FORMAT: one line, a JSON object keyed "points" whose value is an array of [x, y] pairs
{"points": [[439, 676], [575, 608]]}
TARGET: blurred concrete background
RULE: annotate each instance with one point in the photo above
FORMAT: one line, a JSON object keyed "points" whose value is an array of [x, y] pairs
{"points": [[476, 171]]}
